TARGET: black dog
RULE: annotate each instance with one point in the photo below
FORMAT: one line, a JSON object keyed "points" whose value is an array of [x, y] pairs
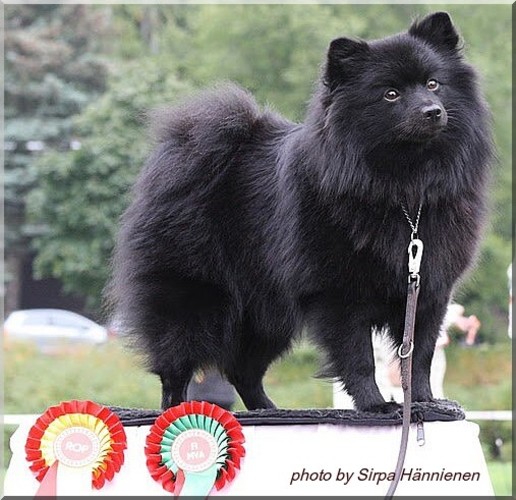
{"points": [[245, 227]]}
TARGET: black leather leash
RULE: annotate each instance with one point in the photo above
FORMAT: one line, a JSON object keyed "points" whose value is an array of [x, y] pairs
{"points": [[415, 252]]}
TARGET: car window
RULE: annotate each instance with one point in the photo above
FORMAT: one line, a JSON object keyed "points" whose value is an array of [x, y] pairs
{"points": [[69, 320], [36, 318]]}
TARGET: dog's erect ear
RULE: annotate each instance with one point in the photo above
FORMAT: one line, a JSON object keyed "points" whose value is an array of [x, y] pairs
{"points": [[344, 48], [436, 29], [343, 54]]}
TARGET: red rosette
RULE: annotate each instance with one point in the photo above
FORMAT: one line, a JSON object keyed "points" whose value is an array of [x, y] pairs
{"points": [[186, 417], [92, 417]]}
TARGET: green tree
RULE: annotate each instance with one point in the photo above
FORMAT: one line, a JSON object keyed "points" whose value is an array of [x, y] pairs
{"points": [[154, 30], [274, 51], [52, 70], [77, 222]]}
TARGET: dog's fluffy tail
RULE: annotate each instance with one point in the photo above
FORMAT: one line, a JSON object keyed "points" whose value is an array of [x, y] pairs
{"points": [[208, 121]]}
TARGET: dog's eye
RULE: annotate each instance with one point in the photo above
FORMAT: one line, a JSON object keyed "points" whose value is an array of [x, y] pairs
{"points": [[432, 85], [391, 95]]}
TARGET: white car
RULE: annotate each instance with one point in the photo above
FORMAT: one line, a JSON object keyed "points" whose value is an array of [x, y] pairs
{"points": [[53, 328]]}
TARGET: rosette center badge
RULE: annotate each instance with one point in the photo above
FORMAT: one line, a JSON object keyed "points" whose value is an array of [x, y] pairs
{"points": [[195, 450], [77, 447]]}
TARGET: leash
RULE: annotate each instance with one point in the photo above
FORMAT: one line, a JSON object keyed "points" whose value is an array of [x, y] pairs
{"points": [[415, 253]]}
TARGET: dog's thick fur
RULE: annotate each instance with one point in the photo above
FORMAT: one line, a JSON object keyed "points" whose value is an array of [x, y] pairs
{"points": [[245, 227]]}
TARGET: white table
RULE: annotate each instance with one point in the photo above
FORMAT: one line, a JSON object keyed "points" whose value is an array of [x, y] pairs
{"points": [[315, 460]]}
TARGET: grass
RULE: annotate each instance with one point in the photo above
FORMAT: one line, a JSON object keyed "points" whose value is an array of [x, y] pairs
{"points": [[501, 477], [106, 374], [115, 376], [479, 378]]}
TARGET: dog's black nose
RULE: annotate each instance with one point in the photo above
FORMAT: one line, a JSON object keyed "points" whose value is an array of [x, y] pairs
{"points": [[433, 113]]}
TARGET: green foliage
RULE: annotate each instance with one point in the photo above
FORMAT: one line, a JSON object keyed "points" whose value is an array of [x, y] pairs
{"points": [[273, 50], [77, 222], [51, 72], [148, 30]]}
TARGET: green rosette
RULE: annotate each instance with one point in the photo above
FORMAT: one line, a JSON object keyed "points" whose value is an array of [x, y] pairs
{"points": [[193, 447]]}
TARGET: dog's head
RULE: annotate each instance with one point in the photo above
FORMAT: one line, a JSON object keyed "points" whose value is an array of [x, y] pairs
{"points": [[408, 88]]}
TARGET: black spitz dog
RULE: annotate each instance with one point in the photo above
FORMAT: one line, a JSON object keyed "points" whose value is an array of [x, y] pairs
{"points": [[245, 227]]}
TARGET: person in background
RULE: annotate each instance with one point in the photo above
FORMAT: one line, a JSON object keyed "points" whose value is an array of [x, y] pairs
{"points": [[469, 325]]}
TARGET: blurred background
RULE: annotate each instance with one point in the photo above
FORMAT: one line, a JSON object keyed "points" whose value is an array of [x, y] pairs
{"points": [[77, 81]]}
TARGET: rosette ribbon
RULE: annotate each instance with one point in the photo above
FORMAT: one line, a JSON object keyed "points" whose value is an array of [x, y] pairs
{"points": [[74, 447], [194, 446]]}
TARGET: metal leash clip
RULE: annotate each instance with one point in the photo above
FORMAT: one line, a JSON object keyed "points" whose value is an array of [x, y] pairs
{"points": [[415, 253]]}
